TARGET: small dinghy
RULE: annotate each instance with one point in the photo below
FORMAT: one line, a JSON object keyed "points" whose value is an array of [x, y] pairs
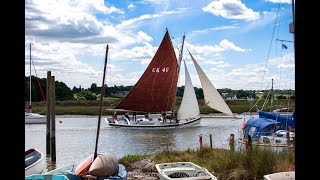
{"points": [[34, 161], [290, 175], [183, 170]]}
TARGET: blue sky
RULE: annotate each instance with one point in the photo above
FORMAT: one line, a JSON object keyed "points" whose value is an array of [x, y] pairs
{"points": [[234, 41]]}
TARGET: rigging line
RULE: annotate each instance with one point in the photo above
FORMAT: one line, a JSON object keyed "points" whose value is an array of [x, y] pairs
{"points": [[278, 31], [109, 62], [279, 21], [255, 104], [270, 45], [44, 99], [280, 69]]}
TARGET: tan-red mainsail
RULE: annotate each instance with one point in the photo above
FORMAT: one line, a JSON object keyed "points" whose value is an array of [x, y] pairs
{"points": [[156, 89]]}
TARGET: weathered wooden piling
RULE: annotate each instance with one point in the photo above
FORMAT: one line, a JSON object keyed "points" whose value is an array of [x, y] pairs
{"points": [[51, 125], [200, 140], [211, 141], [48, 103], [53, 121]]}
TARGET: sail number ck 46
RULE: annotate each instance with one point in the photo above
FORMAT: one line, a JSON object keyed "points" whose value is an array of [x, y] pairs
{"points": [[158, 69]]}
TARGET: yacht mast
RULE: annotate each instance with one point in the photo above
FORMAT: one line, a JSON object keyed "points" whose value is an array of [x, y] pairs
{"points": [[293, 27], [181, 50], [271, 96], [30, 80]]}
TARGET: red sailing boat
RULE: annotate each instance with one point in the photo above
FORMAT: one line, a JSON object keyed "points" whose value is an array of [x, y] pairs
{"points": [[155, 93]]}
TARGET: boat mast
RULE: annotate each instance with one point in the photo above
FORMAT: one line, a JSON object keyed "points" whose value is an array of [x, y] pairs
{"points": [[101, 102], [271, 95], [293, 27], [179, 62], [30, 81], [181, 50]]}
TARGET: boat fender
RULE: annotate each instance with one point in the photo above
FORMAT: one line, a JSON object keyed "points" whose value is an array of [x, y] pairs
{"points": [[83, 167], [105, 165]]}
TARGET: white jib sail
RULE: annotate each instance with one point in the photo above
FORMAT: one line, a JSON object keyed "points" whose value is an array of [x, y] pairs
{"points": [[211, 95], [189, 107]]}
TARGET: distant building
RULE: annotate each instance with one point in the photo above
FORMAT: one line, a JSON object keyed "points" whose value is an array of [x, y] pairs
{"points": [[121, 93], [259, 94], [229, 96], [249, 98]]}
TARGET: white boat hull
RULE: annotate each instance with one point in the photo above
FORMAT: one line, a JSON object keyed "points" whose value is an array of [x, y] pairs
{"points": [[268, 146], [37, 167], [183, 170], [154, 124], [280, 176], [34, 118]]}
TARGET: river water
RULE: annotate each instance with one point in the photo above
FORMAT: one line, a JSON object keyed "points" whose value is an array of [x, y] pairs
{"points": [[76, 137]]}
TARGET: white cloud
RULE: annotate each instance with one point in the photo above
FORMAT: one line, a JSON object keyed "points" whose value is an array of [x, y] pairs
{"points": [[136, 22], [224, 45], [280, 1], [63, 65], [131, 6], [203, 31], [143, 37], [231, 9], [283, 62], [216, 70], [141, 53], [227, 45], [162, 2], [71, 21]]}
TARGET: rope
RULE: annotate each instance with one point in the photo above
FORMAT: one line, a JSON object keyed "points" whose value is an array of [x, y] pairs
{"points": [[270, 44], [44, 99], [266, 64]]}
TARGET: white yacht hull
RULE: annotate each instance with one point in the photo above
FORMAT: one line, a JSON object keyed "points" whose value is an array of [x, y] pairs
{"points": [[154, 124], [280, 147], [34, 118]]}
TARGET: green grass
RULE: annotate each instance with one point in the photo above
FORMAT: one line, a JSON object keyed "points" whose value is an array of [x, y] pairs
{"points": [[86, 107], [129, 159], [225, 164]]}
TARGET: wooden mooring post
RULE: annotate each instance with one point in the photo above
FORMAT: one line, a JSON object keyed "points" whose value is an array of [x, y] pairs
{"points": [[200, 141], [211, 141], [48, 151], [53, 121], [51, 125]]}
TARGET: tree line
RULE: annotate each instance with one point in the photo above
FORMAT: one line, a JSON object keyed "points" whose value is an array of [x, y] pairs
{"points": [[64, 93]]}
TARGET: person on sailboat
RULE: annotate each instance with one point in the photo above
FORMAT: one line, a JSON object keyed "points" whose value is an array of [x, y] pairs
{"points": [[134, 114], [146, 115], [127, 116], [164, 114], [114, 117]]}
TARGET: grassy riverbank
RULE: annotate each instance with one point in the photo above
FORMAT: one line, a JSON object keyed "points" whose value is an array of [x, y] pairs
{"points": [[224, 163], [86, 107]]}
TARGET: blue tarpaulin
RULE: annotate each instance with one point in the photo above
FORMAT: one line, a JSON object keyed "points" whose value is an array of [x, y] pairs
{"points": [[288, 120]]}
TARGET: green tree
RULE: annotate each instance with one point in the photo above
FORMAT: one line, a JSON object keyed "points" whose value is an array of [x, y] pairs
{"points": [[63, 92]]}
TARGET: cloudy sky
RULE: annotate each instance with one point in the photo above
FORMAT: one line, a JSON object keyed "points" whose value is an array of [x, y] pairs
{"points": [[234, 41]]}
